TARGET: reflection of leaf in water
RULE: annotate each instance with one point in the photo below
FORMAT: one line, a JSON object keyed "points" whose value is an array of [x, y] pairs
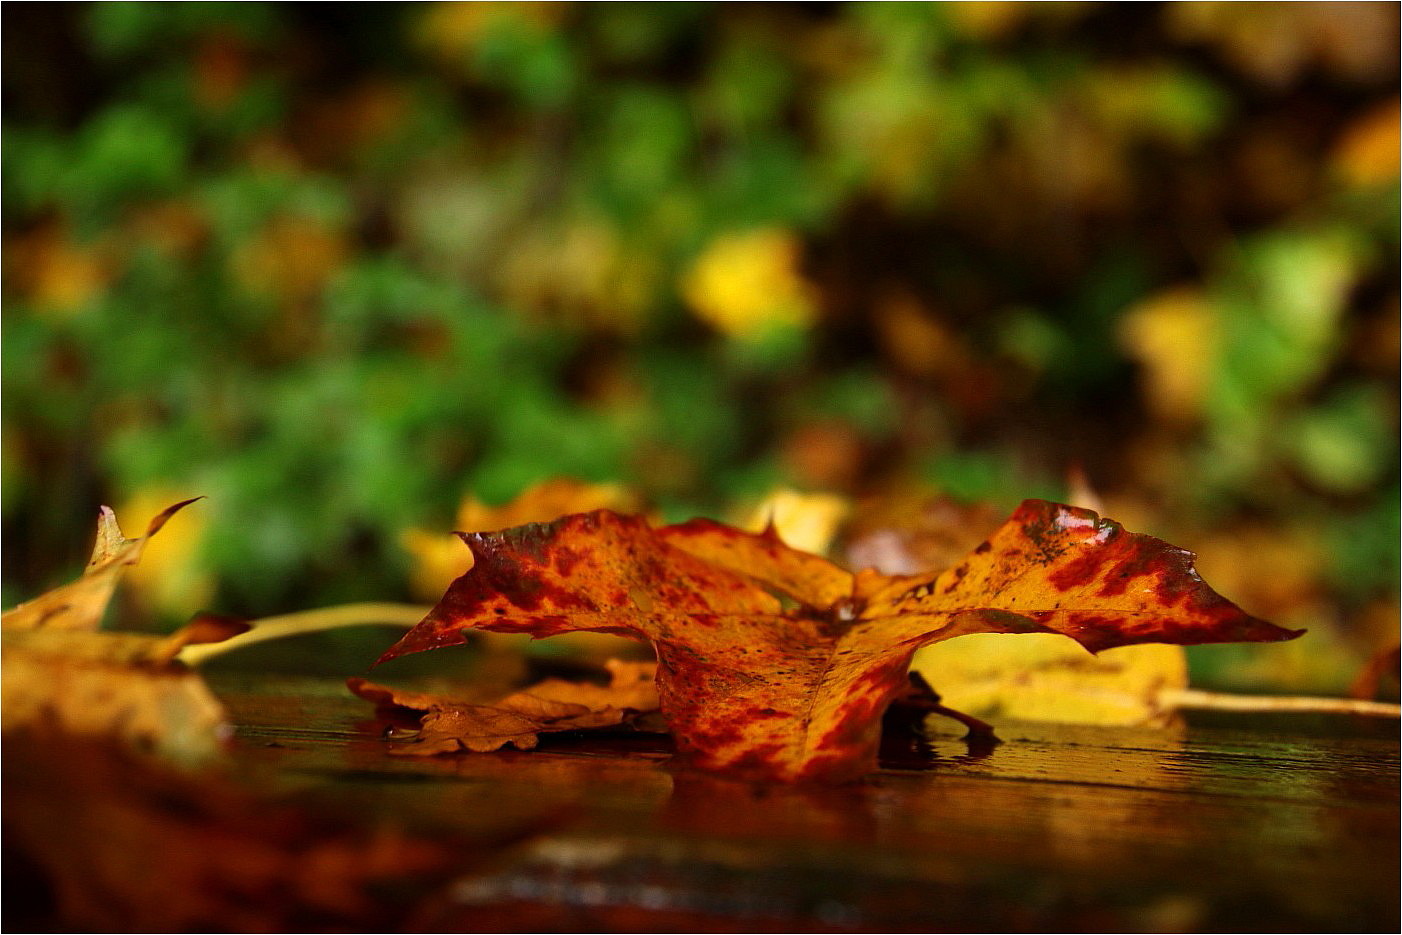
{"points": [[98, 824]]}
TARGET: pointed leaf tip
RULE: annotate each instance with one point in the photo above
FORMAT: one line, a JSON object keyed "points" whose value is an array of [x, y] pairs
{"points": [[79, 604], [425, 635], [160, 518]]}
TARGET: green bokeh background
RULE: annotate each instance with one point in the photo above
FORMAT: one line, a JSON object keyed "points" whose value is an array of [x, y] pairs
{"points": [[338, 267]]}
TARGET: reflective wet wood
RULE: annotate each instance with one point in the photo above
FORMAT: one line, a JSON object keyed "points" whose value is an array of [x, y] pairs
{"points": [[1246, 824]]}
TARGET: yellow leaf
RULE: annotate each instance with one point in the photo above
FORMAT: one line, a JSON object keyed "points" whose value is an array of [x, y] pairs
{"points": [[745, 284], [171, 579], [1046, 677], [805, 521], [1367, 153], [437, 559], [59, 675], [166, 709], [1174, 335]]}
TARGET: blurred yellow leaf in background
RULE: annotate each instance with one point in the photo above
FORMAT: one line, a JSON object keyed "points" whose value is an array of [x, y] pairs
{"points": [[60, 276], [745, 284], [172, 579], [1046, 677], [806, 521], [1367, 152], [1174, 335], [450, 29]]}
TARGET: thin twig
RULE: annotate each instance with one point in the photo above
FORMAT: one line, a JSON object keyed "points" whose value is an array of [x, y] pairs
{"points": [[308, 621], [1220, 701], [406, 615]]}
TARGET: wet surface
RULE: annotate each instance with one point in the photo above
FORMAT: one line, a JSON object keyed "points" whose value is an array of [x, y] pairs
{"points": [[1216, 826]]}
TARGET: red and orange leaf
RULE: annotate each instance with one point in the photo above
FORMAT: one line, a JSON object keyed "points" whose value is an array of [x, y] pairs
{"points": [[748, 685], [765, 559]]}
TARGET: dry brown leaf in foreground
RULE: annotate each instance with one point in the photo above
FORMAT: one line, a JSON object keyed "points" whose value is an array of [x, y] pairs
{"points": [[59, 674], [119, 686], [124, 842], [450, 726], [777, 663], [80, 604]]}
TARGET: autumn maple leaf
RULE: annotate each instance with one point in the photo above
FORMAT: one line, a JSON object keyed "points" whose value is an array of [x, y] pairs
{"points": [[777, 663]]}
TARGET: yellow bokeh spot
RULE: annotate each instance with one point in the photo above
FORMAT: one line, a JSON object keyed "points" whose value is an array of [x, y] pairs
{"points": [[807, 521], [291, 259], [1367, 153], [171, 580], [745, 284], [1174, 335], [60, 276], [438, 559], [451, 29], [994, 19], [987, 19]]}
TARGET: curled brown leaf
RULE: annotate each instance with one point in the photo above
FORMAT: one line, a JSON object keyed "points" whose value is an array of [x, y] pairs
{"points": [[63, 677], [450, 725]]}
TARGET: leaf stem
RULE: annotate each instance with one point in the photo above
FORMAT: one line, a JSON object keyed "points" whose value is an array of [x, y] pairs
{"points": [[308, 621], [923, 697], [1220, 701]]}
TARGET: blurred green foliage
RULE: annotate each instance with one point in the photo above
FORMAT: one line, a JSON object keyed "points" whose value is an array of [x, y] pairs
{"points": [[336, 268]]}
